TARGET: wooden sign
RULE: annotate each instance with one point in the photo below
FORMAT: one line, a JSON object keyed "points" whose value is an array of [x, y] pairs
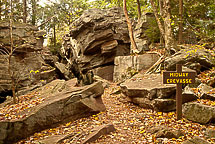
{"points": [[179, 78]]}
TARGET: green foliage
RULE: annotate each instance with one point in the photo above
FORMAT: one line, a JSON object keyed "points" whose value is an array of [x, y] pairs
{"points": [[153, 32], [198, 16]]}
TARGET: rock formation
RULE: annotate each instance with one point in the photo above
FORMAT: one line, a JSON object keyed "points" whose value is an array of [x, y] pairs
{"points": [[27, 61], [148, 91], [95, 39]]}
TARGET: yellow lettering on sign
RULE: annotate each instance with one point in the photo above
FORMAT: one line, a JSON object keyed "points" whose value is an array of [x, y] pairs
{"points": [[171, 74], [167, 80], [178, 74]]}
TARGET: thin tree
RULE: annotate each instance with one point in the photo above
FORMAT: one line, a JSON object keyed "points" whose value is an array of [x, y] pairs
{"points": [[130, 30], [24, 11], [157, 17], [11, 73], [165, 28], [1, 3], [180, 21], [34, 6], [139, 10]]}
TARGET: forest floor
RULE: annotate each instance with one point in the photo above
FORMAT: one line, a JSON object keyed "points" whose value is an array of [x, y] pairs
{"points": [[131, 122]]}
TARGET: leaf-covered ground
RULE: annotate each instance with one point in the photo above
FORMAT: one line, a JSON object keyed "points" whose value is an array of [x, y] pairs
{"points": [[19, 110], [131, 122]]}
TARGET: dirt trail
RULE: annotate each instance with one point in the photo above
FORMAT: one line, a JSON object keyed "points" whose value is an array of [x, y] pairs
{"points": [[130, 121]]}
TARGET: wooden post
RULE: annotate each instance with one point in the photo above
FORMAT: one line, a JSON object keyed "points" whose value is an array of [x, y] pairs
{"points": [[179, 95], [178, 77]]}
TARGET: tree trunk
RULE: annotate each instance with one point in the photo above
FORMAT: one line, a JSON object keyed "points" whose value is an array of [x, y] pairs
{"points": [[139, 10], [33, 4], [130, 30], [118, 2], [7, 7], [180, 30], [165, 28], [1, 3], [24, 11], [160, 25], [162, 36], [11, 53], [168, 37], [54, 35]]}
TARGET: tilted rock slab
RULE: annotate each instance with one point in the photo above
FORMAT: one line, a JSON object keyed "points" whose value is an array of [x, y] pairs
{"points": [[99, 131], [199, 113], [64, 103], [148, 91]]}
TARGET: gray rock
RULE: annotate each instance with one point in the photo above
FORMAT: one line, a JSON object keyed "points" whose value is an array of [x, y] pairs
{"points": [[188, 95], [63, 103], [198, 112], [63, 70], [149, 91], [126, 66], [105, 72], [190, 56], [195, 140], [165, 132], [140, 37], [164, 105], [204, 90], [99, 131]]}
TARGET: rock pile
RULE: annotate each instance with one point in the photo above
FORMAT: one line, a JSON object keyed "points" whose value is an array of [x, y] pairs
{"points": [[96, 38], [148, 91]]}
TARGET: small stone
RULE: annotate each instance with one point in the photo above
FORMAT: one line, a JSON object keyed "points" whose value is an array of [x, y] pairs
{"points": [[99, 131]]}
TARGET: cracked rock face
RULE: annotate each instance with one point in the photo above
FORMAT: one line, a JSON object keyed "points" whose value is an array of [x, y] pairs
{"points": [[96, 38], [28, 57], [63, 102]]}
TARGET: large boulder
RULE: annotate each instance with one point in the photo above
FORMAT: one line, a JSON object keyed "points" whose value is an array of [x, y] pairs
{"points": [[96, 38], [196, 59], [148, 91], [62, 102], [197, 112], [126, 66]]}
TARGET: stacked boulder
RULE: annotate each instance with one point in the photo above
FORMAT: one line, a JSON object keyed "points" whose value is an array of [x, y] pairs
{"points": [[95, 39]]}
